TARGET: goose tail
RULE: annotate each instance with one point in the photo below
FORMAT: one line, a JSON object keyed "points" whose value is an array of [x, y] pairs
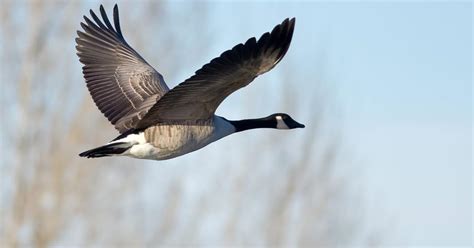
{"points": [[115, 148]]}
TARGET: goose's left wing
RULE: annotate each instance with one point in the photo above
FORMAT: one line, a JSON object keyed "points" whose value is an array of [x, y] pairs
{"points": [[198, 97], [122, 84]]}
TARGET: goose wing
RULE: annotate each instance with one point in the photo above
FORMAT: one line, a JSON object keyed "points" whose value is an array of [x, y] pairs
{"points": [[122, 84], [198, 97]]}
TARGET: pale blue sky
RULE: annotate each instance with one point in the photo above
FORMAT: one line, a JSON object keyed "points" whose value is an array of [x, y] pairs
{"points": [[395, 78], [401, 77]]}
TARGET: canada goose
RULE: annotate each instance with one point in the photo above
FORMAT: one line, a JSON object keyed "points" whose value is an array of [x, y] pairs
{"points": [[155, 122]]}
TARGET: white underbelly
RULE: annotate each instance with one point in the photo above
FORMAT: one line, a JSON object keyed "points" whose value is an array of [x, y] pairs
{"points": [[144, 151], [148, 151]]}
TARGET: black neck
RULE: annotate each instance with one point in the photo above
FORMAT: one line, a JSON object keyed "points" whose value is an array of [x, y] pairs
{"points": [[243, 125]]}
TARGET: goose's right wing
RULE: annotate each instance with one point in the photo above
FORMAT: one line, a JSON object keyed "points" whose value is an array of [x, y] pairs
{"points": [[122, 84], [198, 97]]}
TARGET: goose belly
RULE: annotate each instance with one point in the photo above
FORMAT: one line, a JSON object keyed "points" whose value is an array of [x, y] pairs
{"points": [[175, 140], [169, 141], [166, 141]]}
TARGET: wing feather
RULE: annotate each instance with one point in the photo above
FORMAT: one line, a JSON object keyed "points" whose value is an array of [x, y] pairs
{"points": [[198, 97], [122, 84]]}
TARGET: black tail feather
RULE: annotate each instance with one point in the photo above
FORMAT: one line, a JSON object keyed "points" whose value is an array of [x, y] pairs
{"points": [[107, 150]]}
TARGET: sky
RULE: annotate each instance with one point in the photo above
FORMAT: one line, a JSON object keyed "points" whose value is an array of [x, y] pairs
{"points": [[395, 80], [399, 76]]}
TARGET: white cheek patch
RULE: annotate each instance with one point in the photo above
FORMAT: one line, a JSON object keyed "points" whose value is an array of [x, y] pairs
{"points": [[280, 123]]}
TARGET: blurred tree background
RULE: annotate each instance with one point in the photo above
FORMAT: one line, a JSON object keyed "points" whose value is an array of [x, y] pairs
{"points": [[258, 188]]}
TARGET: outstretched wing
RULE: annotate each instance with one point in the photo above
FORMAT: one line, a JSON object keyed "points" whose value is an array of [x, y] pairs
{"points": [[123, 85], [198, 97]]}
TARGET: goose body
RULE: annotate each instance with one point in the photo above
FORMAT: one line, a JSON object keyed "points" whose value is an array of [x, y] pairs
{"points": [[158, 123], [165, 141]]}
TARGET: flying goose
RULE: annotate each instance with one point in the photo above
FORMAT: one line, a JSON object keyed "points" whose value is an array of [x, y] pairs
{"points": [[158, 123]]}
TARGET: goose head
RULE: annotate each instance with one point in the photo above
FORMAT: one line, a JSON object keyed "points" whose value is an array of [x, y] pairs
{"points": [[284, 121]]}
